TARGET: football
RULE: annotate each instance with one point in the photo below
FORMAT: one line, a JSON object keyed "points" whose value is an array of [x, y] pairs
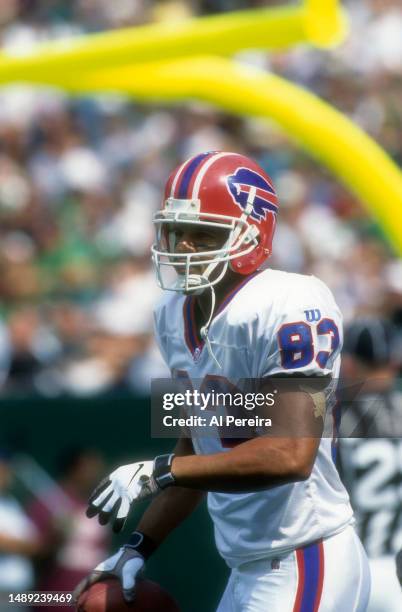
{"points": [[107, 596]]}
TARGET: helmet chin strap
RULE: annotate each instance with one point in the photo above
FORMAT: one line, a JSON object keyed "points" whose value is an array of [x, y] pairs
{"points": [[193, 280], [204, 329]]}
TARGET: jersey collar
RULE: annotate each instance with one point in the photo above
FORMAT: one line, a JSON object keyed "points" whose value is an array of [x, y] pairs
{"points": [[191, 336]]}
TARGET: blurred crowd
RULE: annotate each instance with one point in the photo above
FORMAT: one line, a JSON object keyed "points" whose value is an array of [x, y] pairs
{"points": [[80, 179], [48, 543]]}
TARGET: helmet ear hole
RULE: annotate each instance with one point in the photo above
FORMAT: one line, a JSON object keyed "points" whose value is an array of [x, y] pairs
{"points": [[247, 264]]}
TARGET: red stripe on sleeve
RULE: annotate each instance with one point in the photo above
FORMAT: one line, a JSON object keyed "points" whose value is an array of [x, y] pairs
{"points": [[300, 580]]}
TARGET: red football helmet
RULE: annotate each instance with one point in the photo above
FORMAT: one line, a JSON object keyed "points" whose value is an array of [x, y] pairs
{"points": [[216, 189]]}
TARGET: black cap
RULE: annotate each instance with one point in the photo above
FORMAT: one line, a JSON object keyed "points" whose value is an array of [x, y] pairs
{"points": [[370, 340]]}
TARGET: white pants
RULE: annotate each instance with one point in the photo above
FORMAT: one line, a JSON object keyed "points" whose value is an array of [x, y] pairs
{"points": [[331, 575], [386, 592]]}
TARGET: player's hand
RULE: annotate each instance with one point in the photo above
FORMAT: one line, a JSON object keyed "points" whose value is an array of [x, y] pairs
{"points": [[112, 499], [125, 565]]}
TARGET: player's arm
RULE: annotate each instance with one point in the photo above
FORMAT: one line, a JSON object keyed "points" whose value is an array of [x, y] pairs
{"points": [[265, 461], [173, 505], [259, 463], [112, 499], [170, 508]]}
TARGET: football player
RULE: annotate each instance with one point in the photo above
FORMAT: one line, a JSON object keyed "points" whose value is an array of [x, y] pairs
{"points": [[371, 458], [281, 515]]}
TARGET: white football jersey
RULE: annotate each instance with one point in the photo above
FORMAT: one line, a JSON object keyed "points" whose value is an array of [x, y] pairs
{"points": [[272, 323]]}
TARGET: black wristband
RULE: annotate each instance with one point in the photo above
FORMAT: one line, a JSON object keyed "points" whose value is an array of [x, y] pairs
{"points": [[162, 471], [141, 543]]}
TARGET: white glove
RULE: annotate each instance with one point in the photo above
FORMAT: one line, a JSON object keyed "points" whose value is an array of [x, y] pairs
{"points": [[114, 496], [125, 565]]}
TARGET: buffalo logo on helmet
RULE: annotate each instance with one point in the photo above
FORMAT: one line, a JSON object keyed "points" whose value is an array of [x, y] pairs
{"points": [[239, 185]]}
